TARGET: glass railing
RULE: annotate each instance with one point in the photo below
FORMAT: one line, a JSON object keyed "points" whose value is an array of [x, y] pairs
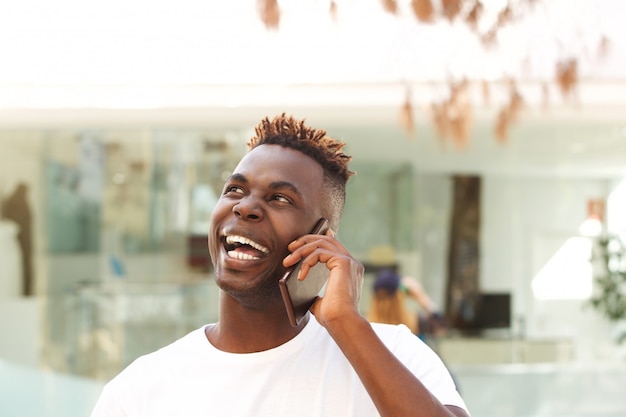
{"points": [[30, 392], [96, 330]]}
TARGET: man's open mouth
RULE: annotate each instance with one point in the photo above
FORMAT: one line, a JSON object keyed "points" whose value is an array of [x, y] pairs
{"points": [[239, 247]]}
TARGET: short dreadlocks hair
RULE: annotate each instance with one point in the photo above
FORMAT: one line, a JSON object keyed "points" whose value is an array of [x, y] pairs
{"points": [[292, 133]]}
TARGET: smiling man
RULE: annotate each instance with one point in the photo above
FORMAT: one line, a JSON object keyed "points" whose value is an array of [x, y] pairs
{"points": [[253, 362]]}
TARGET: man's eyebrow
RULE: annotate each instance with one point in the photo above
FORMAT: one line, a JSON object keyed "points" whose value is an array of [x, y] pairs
{"points": [[238, 178], [280, 185], [276, 185]]}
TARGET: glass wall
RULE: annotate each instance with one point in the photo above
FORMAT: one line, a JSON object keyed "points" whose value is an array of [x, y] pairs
{"points": [[122, 235], [120, 219]]}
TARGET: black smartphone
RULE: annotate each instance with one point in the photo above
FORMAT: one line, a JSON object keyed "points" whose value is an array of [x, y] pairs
{"points": [[298, 296]]}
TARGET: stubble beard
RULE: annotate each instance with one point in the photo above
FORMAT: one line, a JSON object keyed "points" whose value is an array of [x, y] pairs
{"points": [[255, 297]]}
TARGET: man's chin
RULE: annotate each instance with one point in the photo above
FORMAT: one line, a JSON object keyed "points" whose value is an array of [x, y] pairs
{"points": [[252, 296]]}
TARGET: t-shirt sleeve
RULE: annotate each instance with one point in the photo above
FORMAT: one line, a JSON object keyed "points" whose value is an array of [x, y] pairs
{"points": [[107, 405]]}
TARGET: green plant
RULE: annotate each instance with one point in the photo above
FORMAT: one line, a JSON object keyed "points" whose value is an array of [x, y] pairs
{"points": [[609, 261]]}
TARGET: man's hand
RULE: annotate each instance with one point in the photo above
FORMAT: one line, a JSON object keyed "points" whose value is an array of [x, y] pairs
{"points": [[343, 290]]}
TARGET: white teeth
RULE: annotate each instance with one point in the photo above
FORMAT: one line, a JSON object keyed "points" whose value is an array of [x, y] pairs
{"points": [[232, 239], [242, 256]]}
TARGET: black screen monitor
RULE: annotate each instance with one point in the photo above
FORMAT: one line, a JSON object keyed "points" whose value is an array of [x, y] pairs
{"points": [[493, 311]]}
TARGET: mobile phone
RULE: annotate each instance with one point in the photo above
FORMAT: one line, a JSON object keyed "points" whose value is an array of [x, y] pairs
{"points": [[298, 295]]}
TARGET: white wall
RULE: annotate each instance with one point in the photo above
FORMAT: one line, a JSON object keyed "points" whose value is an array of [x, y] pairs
{"points": [[20, 327], [525, 220]]}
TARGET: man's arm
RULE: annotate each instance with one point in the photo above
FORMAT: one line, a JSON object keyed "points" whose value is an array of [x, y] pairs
{"points": [[394, 389], [415, 290]]}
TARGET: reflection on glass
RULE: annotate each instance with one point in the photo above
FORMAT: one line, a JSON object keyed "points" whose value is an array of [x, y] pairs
{"points": [[568, 274]]}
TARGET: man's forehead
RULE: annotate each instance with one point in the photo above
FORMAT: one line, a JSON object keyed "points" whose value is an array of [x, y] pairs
{"points": [[282, 158], [275, 163]]}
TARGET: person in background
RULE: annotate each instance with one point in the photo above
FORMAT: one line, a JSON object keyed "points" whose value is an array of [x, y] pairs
{"points": [[388, 305], [16, 208], [252, 361]]}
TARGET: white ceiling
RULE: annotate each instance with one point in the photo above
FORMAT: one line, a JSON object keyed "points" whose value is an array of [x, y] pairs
{"points": [[73, 64], [69, 53]]}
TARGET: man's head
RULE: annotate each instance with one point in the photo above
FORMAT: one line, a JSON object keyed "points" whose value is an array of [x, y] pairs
{"points": [[292, 133], [292, 176]]}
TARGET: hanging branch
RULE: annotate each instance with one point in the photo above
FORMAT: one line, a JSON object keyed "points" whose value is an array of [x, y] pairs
{"points": [[453, 118], [508, 114]]}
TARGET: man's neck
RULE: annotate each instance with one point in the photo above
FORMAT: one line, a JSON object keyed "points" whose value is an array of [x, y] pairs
{"points": [[243, 330]]}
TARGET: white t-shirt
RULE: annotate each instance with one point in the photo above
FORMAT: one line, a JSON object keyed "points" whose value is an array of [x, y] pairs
{"points": [[307, 376]]}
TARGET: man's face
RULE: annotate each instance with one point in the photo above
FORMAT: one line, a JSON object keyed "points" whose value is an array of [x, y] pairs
{"points": [[273, 197]]}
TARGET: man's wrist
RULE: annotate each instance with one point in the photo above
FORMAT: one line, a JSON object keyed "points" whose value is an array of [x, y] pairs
{"points": [[346, 324]]}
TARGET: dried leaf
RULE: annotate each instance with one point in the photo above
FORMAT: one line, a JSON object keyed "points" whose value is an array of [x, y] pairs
{"points": [[390, 6], [439, 119], [545, 96], [502, 126], [516, 102], [453, 118], [567, 76], [603, 47], [505, 16], [406, 117], [451, 8], [515, 106], [465, 122], [508, 114], [489, 38], [333, 10], [269, 13], [423, 10], [486, 93], [460, 134], [474, 15]]}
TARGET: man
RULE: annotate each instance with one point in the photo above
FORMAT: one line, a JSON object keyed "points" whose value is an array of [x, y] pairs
{"points": [[253, 362]]}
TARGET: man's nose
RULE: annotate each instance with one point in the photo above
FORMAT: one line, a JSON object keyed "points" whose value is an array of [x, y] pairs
{"points": [[248, 208]]}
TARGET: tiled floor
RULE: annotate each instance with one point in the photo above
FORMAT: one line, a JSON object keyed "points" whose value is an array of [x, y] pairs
{"points": [[490, 391], [27, 392], [559, 390]]}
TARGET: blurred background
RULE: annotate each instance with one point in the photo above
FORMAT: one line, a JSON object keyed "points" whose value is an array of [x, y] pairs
{"points": [[489, 140]]}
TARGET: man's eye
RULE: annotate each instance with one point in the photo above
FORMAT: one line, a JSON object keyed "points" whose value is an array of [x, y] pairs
{"points": [[233, 189], [282, 198]]}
